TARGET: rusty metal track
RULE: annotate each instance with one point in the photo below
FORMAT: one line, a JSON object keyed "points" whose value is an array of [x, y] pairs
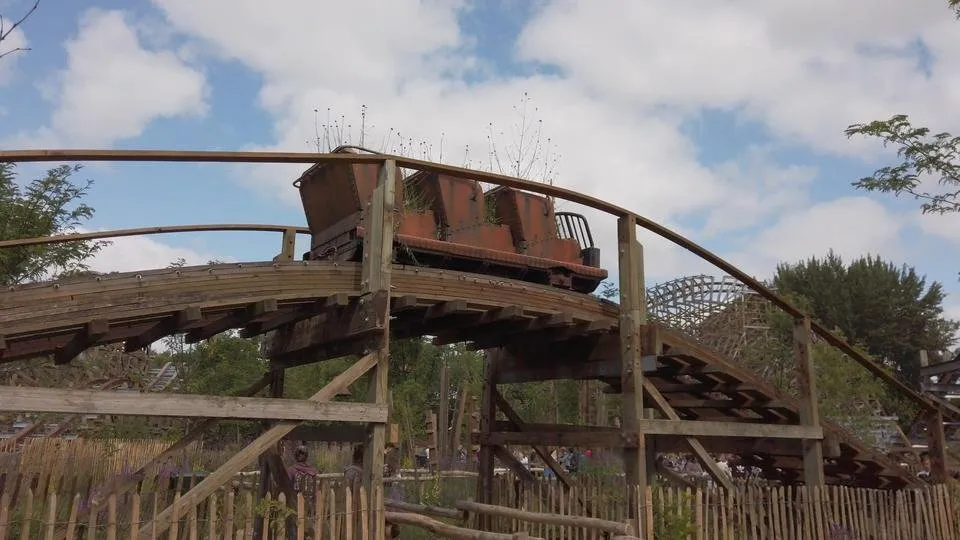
{"points": [[63, 318]]}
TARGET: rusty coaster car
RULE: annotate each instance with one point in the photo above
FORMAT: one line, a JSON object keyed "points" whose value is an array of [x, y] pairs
{"points": [[444, 221]]}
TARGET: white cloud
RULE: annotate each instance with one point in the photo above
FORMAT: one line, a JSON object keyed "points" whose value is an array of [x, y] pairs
{"points": [[14, 40], [945, 226], [616, 110], [806, 71], [112, 87], [130, 253], [850, 226]]}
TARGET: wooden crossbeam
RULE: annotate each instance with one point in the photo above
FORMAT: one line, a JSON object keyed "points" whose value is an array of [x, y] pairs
{"points": [[56, 400], [270, 437], [92, 332], [707, 462], [709, 428], [183, 320], [292, 315], [256, 312]]}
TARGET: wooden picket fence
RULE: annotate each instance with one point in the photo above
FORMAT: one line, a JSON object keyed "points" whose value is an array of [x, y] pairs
{"points": [[334, 512], [752, 512]]}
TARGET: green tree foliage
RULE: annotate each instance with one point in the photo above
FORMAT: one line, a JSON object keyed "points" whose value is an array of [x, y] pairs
{"points": [[46, 206], [889, 310], [924, 156]]}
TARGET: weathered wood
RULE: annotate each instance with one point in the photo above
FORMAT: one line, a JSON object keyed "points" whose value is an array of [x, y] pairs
{"points": [[632, 316], [92, 332], [488, 415], [937, 446], [331, 434], [699, 452], [375, 287], [184, 319], [442, 529], [549, 519], [238, 461], [435, 511], [708, 428], [809, 408], [61, 400]]}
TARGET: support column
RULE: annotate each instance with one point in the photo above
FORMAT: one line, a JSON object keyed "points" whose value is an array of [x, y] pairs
{"points": [[809, 408], [488, 415], [266, 474], [443, 418], [377, 263], [937, 446], [632, 316]]}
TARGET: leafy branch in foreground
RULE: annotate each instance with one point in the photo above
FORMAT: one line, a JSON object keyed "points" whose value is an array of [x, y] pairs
{"points": [[923, 156]]}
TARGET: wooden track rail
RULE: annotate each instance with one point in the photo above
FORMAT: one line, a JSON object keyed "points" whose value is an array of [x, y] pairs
{"points": [[575, 331], [311, 311], [869, 363]]}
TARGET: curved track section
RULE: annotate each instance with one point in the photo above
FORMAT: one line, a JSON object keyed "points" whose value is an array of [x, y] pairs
{"points": [[64, 318], [311, 309]]}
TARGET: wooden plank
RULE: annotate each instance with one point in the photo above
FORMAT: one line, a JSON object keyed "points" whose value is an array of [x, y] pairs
{"points": [[809, 408], [331, 434], [632, 316], [375, 283], [59, 400], [937, 446], [696, 446], [92, 332], [710, 428], [241, 459]]}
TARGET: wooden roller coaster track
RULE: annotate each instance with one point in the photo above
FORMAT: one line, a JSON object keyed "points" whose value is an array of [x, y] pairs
{"points": [[317, 310]]}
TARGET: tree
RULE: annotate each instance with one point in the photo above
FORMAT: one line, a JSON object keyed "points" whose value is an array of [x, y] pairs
{"points": [[922, 156], [46, 206], [889, 310]]}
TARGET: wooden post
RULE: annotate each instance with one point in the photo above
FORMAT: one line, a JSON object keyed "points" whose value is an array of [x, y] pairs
{"points": [[443, 420], [289, 244], [809, 408], [488, 415], [632, 316], [937, 446], [266, 484], [377, 263]]}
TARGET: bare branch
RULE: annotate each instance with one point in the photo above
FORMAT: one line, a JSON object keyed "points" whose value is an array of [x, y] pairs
{"points": [[5, 33]]}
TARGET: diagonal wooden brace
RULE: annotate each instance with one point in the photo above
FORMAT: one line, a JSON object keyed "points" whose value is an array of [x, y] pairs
{"points": [[235, 464], [696, 447]]}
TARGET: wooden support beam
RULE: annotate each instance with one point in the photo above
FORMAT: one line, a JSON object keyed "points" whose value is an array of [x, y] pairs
{"points": [[809, 407], [514, 418], [707, 428], [632, 316], [937, 446], [707, 462], [508, 459], [124, 484], [258, 311], [287, 246], [606, 438], [92, 332], [375, 290], [292, 315], [238, 461], [366, 316], [443, 416], [182, 320], [462, 398], [59, 400], [488, 415]]}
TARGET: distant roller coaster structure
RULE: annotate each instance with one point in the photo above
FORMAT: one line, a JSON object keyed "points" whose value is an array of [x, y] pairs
{"points": [[721, 312]]}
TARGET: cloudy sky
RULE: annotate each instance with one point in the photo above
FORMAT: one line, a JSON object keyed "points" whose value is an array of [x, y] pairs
{"points": [[722, 120]]}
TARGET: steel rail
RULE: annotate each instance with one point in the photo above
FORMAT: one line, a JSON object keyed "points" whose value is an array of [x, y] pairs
{"points": [[537, 187]]}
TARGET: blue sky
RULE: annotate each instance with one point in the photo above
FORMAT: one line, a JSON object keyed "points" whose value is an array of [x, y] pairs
{"points": [[723, 121]]}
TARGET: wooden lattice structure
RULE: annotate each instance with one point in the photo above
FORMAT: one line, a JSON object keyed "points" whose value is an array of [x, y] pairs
{"points": [[676, 393]]}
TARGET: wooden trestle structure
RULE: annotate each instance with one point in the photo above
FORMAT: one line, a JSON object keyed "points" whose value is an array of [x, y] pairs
{"points": [[676, 395]]}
